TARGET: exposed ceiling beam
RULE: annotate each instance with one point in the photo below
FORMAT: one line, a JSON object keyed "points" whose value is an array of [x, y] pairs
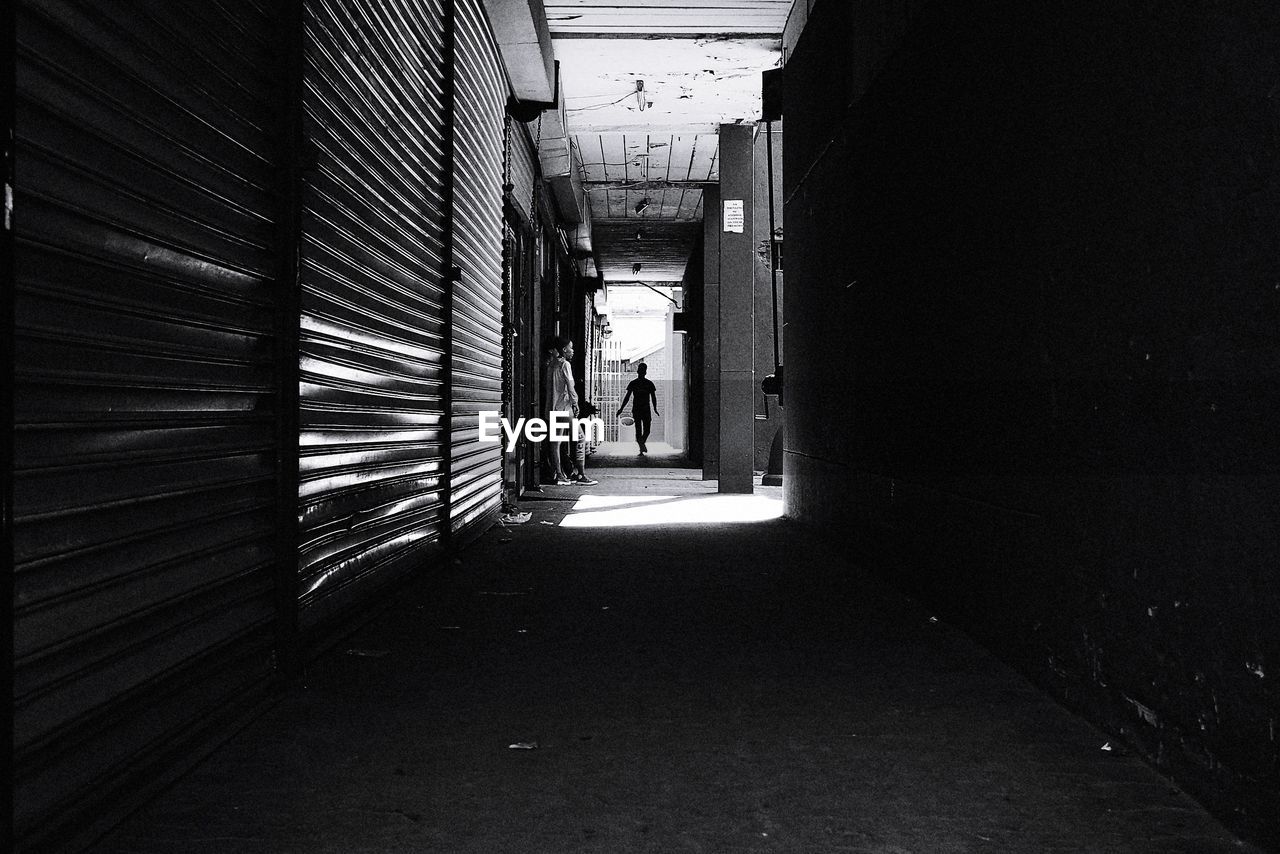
{"points": [[520, 29], [701, 35], [659, 229], [668, 17], [580, 125], [650, 185]]}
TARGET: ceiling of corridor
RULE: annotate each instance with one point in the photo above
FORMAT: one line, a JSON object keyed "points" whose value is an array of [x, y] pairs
{"points": [[646, 84], [593, 18]]}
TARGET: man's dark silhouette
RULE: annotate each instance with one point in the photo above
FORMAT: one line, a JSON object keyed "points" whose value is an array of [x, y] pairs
{"points": [[644, 391]]}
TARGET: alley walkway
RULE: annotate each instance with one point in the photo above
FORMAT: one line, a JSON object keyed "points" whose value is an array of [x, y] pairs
{"points": [[594, 685]]}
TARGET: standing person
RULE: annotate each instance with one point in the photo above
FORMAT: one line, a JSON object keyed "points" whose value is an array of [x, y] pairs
{"points": [[586, 410], [563, 397], [643, 391]]}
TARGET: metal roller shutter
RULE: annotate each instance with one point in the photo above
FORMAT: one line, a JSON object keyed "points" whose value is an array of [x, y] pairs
{"points": [[522, 168], [145, 421], [477, 308], [372, 431]]}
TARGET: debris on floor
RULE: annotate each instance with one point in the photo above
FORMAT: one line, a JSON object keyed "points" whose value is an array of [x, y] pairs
{"points": [[515, 518], [545, 522]]}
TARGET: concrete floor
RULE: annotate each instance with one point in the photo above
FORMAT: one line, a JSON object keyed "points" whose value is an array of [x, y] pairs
{"points": [[673, 687], [627, 455]]}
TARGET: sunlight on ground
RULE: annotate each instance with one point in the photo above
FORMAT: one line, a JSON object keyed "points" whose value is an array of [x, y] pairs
{"points": [[620, 511], [595, 502]]}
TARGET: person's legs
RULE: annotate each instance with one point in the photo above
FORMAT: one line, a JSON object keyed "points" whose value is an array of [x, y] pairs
{"points": [[579, 467], [642, 432], [571, 466], [553, 453], [555, 450]]}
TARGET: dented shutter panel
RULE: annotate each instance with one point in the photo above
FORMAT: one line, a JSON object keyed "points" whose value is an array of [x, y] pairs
{"points": [[371, 418], [477, 307]]}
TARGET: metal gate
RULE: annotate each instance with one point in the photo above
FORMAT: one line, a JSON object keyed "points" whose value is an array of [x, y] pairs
{"points": [[613, 387], [371, 413], [145, 470], [476, 469]]}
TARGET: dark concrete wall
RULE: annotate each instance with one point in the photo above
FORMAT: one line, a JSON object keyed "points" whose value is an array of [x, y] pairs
{"points": [[692, 286], [1033, 359], [766, 426]]}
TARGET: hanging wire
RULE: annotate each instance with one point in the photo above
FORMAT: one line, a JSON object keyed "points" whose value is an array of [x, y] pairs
{"points": [[599, 106], [666, 297]]}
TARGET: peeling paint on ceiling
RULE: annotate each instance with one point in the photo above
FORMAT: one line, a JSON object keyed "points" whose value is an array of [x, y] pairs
{"points": [[640, 85], [647, 84]]}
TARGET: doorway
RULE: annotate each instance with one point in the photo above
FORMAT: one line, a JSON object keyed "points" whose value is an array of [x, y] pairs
{"points": [[640, 317]]}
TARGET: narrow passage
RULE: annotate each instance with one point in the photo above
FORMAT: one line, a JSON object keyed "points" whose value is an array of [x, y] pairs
{"points": [[634, 678]]}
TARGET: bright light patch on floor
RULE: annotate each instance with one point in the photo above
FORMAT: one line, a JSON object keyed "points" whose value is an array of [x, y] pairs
{"points": [[595, 502], [622, 511]]}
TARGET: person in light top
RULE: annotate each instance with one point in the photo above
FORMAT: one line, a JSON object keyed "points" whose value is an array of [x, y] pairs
{"points": [[563, 397]]}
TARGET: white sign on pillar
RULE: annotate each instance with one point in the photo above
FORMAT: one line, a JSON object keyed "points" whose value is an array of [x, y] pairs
{"points": [[733, 216]]}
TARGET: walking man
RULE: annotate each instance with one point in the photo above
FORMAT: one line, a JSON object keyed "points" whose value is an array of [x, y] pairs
{"points": [[643, 391]]}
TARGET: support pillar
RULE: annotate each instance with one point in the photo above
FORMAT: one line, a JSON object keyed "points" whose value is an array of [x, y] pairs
{"points": [[736, 308], [711, 334]]}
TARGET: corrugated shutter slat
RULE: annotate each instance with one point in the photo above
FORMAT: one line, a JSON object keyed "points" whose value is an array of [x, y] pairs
{"points": [[371, 416], [522, 167], [477, 307], [145, 467]]}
